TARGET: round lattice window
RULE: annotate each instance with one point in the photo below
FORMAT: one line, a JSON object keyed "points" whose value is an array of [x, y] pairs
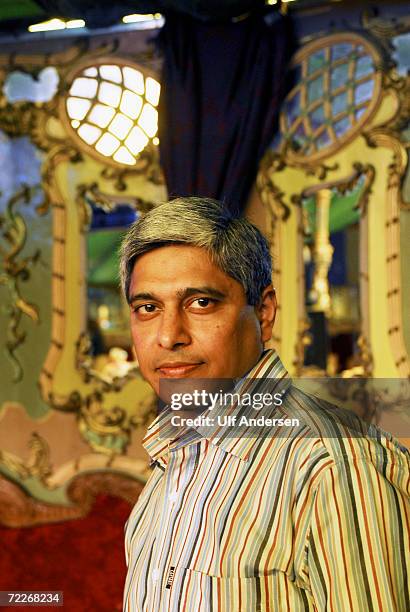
{"points": [[111, 108], [337, 89]]}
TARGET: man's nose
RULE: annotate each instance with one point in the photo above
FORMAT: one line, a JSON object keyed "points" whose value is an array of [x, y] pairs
{"points": [[173, 331]]}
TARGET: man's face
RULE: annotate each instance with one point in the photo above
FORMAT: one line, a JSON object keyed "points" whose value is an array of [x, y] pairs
{"points": [[190, 320]]}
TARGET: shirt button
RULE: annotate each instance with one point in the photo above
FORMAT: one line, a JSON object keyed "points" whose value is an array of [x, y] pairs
{"points": [[155, 575], [173, 497]]}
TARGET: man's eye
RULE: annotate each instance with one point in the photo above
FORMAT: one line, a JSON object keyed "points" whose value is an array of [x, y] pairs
{"points": [[145, 308], [202, 303]]}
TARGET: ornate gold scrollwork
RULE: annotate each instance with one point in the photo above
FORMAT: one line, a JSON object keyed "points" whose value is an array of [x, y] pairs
{"points": [[109, 431], [38, 464], [14, 231], [384, 29], [366, 171], [88, 193], [84, 363], [16, 119], [147, 164], [271, 195], [106, 430], [58, 154], [64, 403]]}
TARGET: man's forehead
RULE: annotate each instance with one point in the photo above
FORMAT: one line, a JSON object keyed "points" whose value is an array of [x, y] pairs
{"points": [[178, 293], [177, 262], [179, 271]]}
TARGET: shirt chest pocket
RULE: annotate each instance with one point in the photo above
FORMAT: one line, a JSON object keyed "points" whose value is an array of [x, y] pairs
{"points": [[194, 590]]}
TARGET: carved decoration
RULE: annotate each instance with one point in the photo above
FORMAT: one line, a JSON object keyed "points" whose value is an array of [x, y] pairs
{"points": [[15, 271], [147, 164], [270, 193], [84, 363], [38, 464], [58, 154], [108, 431], [16, 119], [276, 161], [384, 29], [365, 172], [18, 509], [401, 88], [89, 193]]}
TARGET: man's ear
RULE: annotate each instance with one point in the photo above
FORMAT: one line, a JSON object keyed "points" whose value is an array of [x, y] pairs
{"points": [[266, 312]]}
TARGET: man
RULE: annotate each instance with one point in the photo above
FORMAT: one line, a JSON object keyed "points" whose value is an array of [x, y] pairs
{"points": [[313, 518]]}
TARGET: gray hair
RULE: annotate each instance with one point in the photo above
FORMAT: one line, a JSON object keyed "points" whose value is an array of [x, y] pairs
{"points": [[234, 244]]}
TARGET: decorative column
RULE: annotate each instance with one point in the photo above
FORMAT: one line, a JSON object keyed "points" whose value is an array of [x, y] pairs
{"points": [[322, 254]]}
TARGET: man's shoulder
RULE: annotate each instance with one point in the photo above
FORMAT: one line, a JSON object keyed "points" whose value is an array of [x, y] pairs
{"points": [[344, 435]]}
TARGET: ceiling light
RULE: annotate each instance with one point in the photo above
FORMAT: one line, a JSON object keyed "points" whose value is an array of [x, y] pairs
{"points": [[137, 18], [45, 26], [75, 23], [56, 24]]}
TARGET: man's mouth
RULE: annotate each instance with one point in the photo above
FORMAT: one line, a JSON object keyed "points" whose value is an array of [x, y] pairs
{"points": [[177, 369]]}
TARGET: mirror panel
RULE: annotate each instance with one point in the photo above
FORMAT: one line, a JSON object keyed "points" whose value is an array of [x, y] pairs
{"points": [[107, 309]]}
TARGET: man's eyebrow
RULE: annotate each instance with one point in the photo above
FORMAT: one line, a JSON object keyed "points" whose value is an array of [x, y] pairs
{"points": [[141, 296], [211, 291], [181, 294]]}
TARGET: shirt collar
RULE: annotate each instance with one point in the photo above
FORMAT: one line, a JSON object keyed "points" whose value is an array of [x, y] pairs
{"points": [[161, 435]]}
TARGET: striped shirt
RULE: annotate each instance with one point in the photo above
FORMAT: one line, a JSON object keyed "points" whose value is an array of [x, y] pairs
{"points": [[312, 518]]}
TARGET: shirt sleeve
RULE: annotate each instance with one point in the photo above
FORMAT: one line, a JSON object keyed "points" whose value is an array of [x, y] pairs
{"points": [[358, 552]]}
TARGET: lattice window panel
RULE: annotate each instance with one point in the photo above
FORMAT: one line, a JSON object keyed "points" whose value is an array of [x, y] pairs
{"points": [[112, 108], [336, 89]]}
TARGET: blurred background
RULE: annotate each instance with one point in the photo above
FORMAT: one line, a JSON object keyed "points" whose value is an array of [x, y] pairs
{"points": [[295, 114]]}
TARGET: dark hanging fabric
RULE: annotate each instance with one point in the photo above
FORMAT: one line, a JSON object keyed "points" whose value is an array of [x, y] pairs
{"points": [[221, 89]]}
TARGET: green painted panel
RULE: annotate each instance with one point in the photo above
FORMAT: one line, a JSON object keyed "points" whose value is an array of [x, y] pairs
{"points": [[103, 257], [21, 165]]}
